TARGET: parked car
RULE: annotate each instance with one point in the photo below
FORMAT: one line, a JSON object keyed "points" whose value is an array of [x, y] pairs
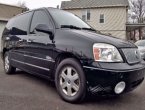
{"points": [[59, 46], [141, 46]]}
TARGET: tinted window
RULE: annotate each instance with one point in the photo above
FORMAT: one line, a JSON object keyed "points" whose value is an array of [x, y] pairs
{"points": [[40, 17], [19, 25]]}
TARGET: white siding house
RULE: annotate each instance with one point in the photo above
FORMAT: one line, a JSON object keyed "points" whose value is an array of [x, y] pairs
{"points": [[107, 16]]}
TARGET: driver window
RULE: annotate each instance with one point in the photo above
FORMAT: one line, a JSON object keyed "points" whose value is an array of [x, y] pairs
{"points": [[40, 17]]}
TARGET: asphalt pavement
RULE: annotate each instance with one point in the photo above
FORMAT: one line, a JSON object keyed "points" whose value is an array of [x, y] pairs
{"points": [[22, 91]]}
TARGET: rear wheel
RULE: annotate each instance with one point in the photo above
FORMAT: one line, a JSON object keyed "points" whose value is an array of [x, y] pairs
{"points": [[8, 68], [70, 81]]}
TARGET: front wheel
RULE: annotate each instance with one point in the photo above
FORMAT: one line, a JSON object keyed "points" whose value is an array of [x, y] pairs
{"points": [[8, 68], [70, 81]]}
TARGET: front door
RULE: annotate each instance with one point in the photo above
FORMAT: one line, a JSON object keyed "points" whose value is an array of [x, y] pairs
{"points": [[38, 53]]}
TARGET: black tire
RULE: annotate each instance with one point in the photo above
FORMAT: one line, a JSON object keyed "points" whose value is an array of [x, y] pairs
{"points": [[81, 93], [10, 70]]}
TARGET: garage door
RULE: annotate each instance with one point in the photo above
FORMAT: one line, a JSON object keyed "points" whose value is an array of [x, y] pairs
{"points": [[2, 26]]}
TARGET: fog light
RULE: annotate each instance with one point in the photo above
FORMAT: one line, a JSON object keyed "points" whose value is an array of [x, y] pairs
{"points": [[119, 88]]}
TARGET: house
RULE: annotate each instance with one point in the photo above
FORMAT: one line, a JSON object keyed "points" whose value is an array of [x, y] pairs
{"points": [[7, 12], [107, 16]]}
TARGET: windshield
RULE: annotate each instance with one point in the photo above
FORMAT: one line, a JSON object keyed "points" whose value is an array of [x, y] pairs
{"points": [[140, 43], [64, 18]]}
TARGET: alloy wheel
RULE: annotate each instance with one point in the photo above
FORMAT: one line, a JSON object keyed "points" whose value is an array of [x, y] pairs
{"points": [[7, 63], [69, 81]]}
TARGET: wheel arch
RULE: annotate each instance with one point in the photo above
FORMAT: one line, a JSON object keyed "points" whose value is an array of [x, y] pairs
{"points": [[3, 52], [63, 56]]}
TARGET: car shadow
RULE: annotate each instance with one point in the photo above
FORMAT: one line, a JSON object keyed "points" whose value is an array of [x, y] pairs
{"points": [[36, 78], [127, 98], [90, 99]]}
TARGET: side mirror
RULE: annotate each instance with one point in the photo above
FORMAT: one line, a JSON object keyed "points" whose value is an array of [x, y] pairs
{"points": [[44, 28]]}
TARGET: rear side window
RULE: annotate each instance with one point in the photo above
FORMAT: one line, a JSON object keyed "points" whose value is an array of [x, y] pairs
{"points": [[40, 17], [19, 25]]}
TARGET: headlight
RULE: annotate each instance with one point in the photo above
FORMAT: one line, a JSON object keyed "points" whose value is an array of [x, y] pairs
{"points": [[106, 53]]}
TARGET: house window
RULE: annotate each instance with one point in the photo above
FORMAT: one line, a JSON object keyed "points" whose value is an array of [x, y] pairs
{"points": [[102, 18], [86, 15], [83, 16]]}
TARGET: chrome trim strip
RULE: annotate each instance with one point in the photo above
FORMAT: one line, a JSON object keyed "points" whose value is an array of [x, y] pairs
{"points": [[38, 58], [113, 70], [93, 68], [17, 53], [31, 65], [33, 57]]}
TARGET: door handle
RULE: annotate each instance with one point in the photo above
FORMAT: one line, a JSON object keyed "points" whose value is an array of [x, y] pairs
{"points": [[7, 38], [20, 40], [29, 41]]}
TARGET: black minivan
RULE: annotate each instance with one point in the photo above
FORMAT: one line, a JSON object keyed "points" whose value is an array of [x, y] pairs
{"points": [[59, 46]]}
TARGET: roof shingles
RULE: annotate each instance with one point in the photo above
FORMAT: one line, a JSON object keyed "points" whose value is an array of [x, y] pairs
{"points": [[92, 3]]}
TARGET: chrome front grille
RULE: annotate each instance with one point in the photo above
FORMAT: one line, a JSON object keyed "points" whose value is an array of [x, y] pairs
{"points": [[132, 55]]}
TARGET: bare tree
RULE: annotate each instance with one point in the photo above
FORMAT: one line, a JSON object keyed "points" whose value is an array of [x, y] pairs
{"points": [[137, 8], [23, 5]]}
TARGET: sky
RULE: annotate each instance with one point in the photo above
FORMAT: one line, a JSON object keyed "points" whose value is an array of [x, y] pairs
{"points": [[33, 4]]}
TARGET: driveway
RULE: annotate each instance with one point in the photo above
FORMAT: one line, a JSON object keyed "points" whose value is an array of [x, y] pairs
{"points": [[22, 91]]}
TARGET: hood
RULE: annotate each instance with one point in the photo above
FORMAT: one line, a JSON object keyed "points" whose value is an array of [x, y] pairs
{"points": [[100, 38]]}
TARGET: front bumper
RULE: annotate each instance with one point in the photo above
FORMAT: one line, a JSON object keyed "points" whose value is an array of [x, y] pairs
{"points": [[102, 80]]}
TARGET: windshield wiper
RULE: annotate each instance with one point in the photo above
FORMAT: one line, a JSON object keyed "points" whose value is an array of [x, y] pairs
{"points": [[70, 26], [75, 27], [90, 29]]}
